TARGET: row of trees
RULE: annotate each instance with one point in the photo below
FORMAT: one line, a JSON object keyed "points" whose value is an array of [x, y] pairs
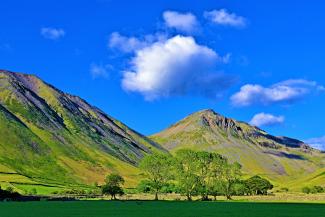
{"points": [[190, 173], [198, 173]]}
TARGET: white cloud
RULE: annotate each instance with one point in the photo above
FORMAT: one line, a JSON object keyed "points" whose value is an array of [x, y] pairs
{"points": [[177, 66], [52, 33], [223, 17], [286, 91], [318, 143], [185, 22], [99, 70], [264, 119]]}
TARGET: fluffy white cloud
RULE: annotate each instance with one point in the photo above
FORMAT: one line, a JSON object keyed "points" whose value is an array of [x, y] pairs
{"points": [[318, 143], [286, 91], [177, 66], [264, 119], [223, 17], [186, 22], [52, 33], [99, 70]]}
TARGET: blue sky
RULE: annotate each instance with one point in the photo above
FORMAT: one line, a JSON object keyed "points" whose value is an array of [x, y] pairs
{"points": [[150, 64]]}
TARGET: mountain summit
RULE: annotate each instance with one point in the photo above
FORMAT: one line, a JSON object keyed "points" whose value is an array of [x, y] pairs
{"points": [[278, 158]]}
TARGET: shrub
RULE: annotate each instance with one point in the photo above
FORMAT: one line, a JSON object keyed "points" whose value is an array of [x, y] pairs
{"points": [[306, 190], [316, 189]]}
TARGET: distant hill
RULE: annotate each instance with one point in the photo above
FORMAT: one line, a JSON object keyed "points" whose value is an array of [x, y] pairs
{"points": [[48, 136], [280, 159]]}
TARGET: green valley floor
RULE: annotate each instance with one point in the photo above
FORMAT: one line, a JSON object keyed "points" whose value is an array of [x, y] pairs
{"points": [[159, 209]]}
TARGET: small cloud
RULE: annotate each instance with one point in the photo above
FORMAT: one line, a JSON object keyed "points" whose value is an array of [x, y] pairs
{"points": [[127, 44], [52, 33], [286, 92], [99, 70], [318, 143], [224, 18], [263, 119], [185, 22], [177, 66]]}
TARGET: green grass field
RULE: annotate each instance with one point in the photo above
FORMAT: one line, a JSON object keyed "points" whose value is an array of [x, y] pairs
{"points": [[158, 209]]}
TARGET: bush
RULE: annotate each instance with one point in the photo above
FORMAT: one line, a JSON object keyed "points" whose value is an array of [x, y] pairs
{"points": [[313, 190], [316, 189], [144, 186], [306, 190]]}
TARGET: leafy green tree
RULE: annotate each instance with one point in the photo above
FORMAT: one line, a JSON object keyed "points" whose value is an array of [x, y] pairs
{"points": [[215, 172], [158, 170], [258, 185], [204, 162], [240, 188], [231, 174], [113, 185], [186, 172]]}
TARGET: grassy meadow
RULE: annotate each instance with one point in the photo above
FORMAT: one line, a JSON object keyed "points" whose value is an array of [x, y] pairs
{"points": [[159, 209]]}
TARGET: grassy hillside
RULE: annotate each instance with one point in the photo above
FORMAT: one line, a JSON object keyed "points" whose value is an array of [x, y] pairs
{"points": [[280, 159], [47, 136]]}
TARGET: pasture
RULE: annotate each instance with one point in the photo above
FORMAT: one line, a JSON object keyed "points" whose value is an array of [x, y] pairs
{"points": [[158, 209]]}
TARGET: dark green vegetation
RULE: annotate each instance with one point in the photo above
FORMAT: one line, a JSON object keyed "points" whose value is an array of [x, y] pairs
{"points": [[158, 209], [198, 173], [313, 190], [8, 193]]}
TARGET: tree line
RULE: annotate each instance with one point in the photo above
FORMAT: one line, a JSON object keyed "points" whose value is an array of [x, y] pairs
{"points": [[191, 173]]}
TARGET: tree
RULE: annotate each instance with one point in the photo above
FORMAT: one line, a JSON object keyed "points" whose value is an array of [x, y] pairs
{"points": [[186, 172], [258, 185], [231, 174], [215, 175], [204, 162], [158, 170], [113, 186]]}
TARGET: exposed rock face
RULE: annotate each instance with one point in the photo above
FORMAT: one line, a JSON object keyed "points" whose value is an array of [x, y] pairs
{"points": [[258, 151], [63, 127]]}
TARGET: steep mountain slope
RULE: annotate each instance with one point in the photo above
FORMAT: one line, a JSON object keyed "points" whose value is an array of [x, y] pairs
{"points": [[50, 136], [278, 158]]}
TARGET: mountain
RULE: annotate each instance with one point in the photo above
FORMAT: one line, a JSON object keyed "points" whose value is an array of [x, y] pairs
{"points": [[48, 136], [280, 159]]}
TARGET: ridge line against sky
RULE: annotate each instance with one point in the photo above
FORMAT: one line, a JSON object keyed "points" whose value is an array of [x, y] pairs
{"points": [[177, 58]]}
